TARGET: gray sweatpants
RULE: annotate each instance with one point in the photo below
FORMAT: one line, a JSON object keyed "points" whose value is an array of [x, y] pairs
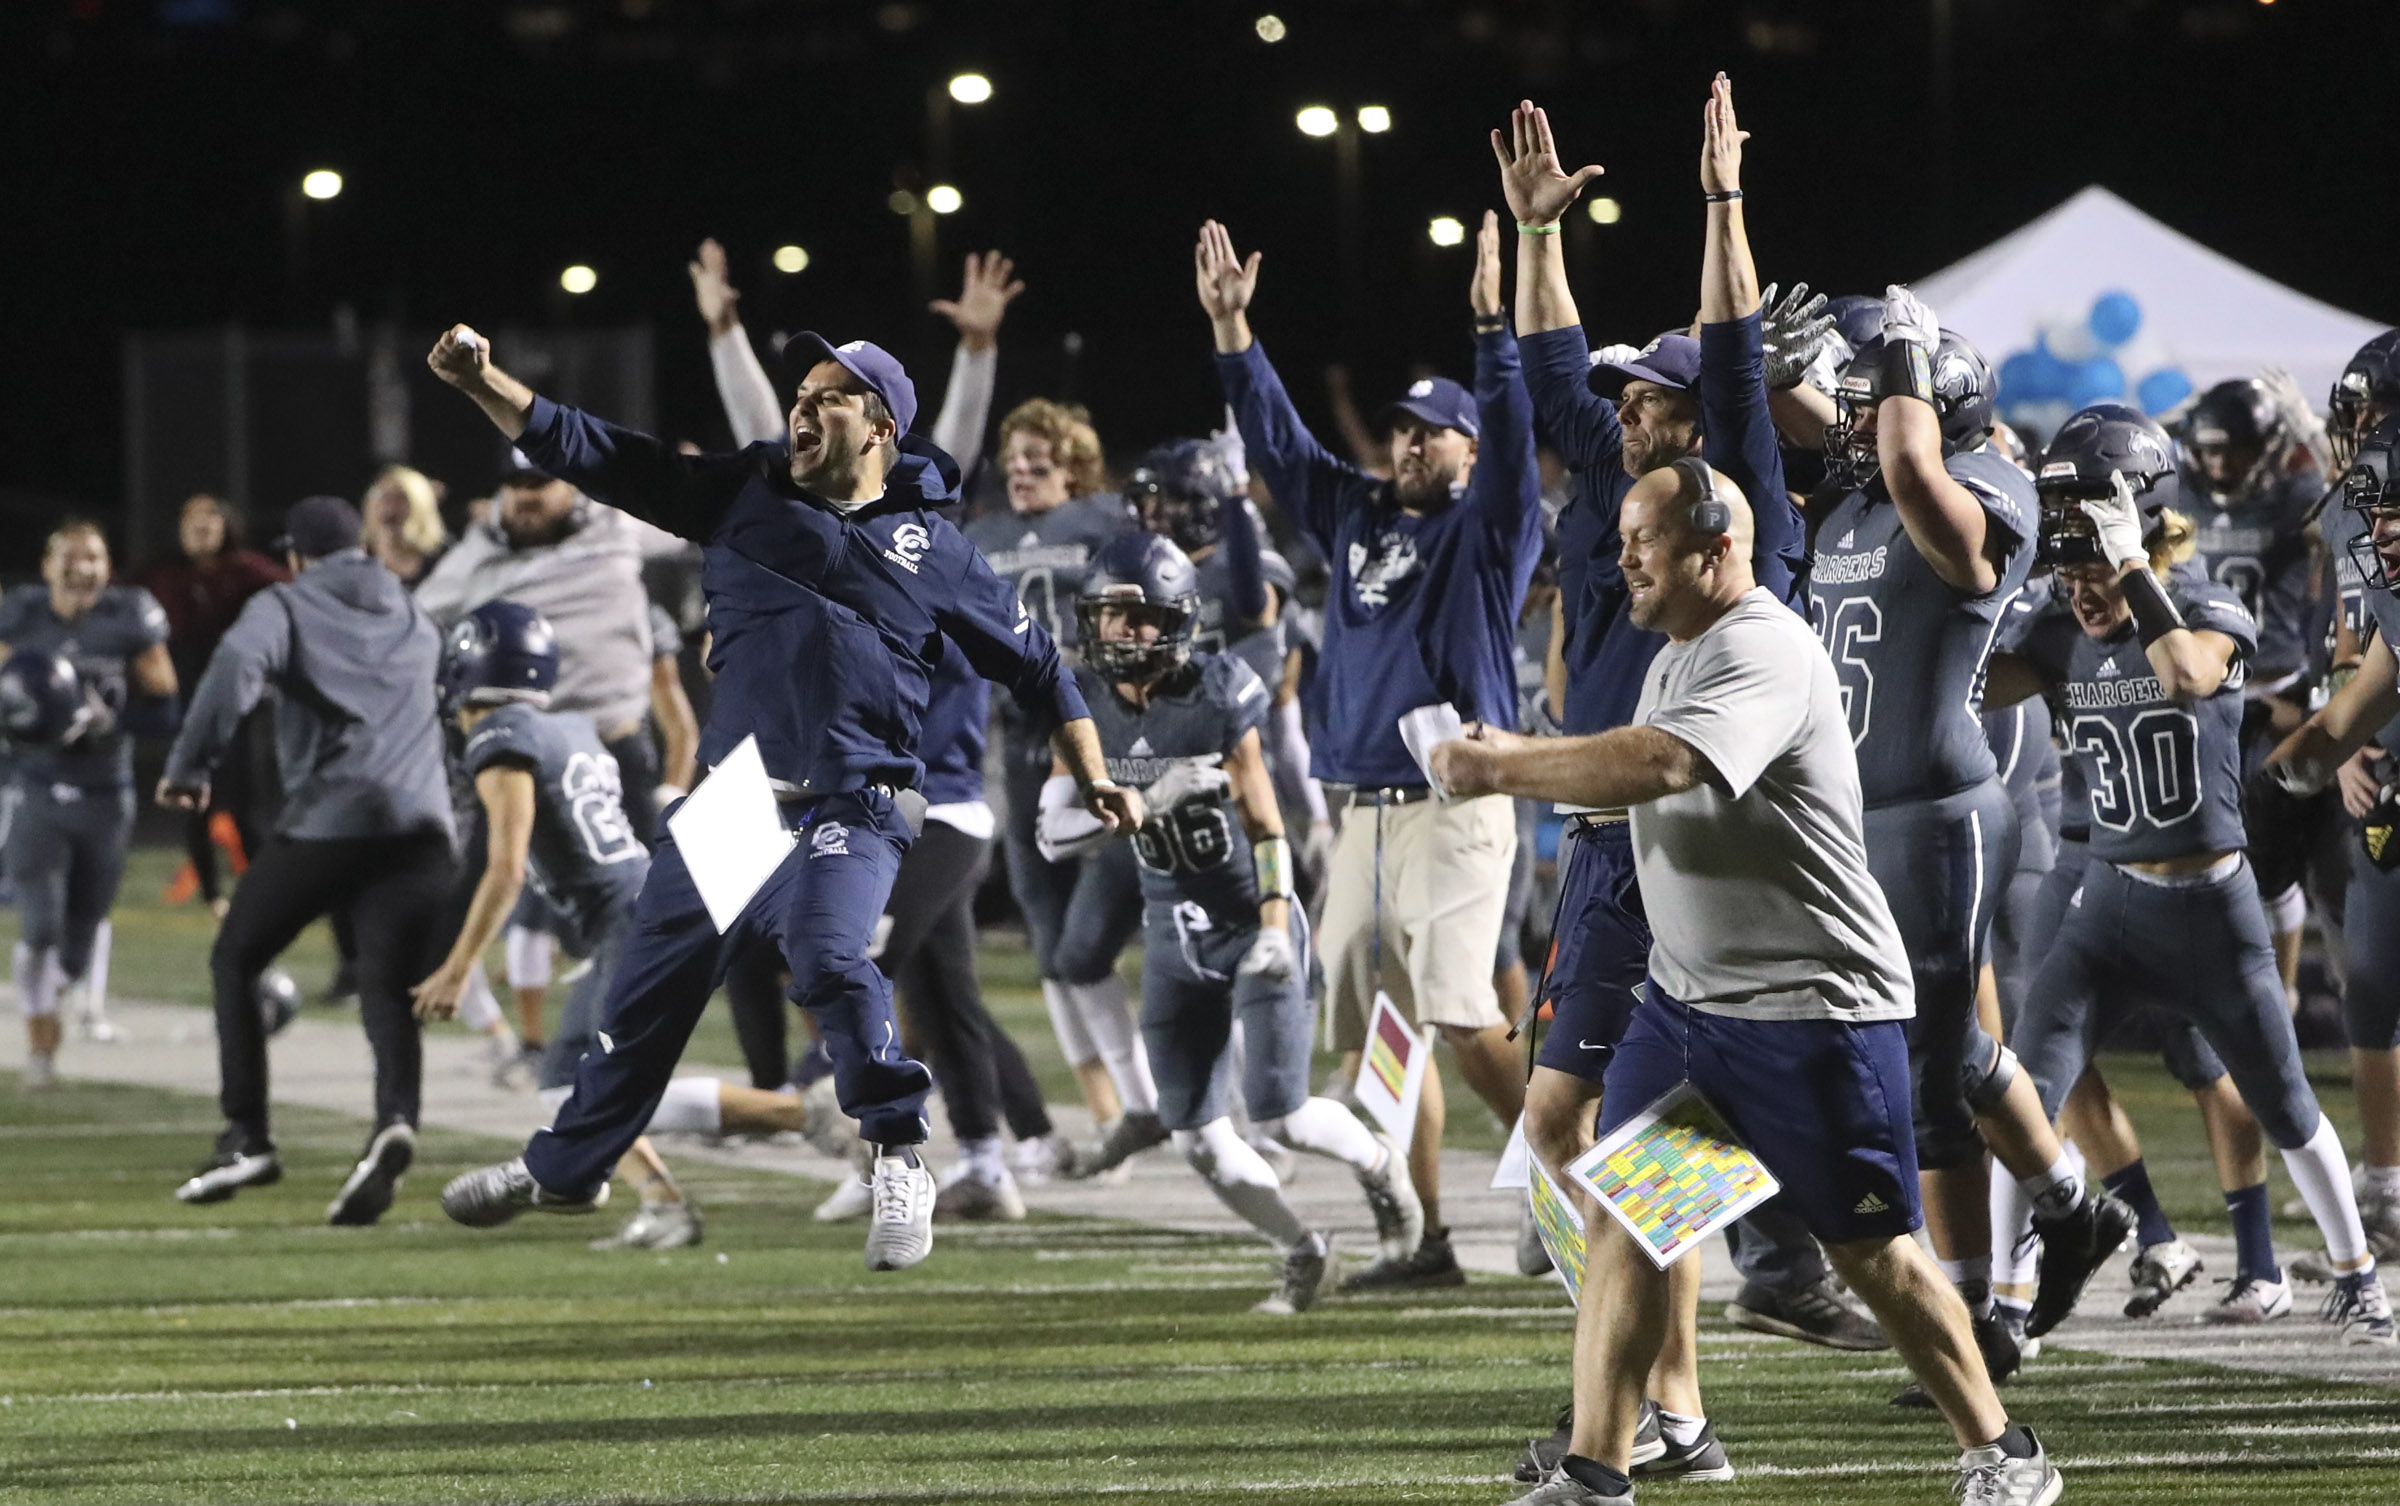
{"points": [[66, 857], [1192, 993]]}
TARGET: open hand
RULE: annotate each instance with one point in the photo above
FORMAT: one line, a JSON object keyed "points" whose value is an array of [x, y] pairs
{"points": [[982, 300], [1721, 140], [716, 296], [1483, 294], [1795, 332], [1226, 281], [2117, 520], [437, 997], [1537, 188]]}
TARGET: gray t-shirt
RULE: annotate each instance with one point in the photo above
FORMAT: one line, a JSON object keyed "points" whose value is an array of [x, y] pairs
{"points": [[1756, 881]]}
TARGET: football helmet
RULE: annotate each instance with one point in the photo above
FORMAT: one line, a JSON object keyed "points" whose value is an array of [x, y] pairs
{"points": [[2095, 445], [1152, 581]]}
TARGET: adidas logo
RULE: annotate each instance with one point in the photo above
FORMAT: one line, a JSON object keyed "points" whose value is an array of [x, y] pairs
{"points": [[1849, 537], [1140, 748], [1030, 540], [1870, 1204], [2108, 670]]}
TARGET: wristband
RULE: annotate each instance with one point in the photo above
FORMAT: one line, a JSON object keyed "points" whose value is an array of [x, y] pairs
{"points": [[2154, 616], [1490, 324], [1904, 371], [1725, 196], [1102, 783], [1271, 860], [1525, 229]]}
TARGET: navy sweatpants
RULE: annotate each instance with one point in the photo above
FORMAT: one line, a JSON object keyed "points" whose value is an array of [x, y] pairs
{"points": [[820, 907]]}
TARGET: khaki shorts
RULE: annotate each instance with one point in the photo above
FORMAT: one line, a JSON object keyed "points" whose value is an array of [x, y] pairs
{"points": [[1445, 886]]}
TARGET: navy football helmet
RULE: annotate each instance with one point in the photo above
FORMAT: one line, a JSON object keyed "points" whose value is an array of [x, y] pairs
{"points": [[2367, 391], [1181, 489], [1857, 318], [2370, 488], [2234, 418], [2101, 441], [40, 698], [1151, 581], [501, 651], [1962, 397]]}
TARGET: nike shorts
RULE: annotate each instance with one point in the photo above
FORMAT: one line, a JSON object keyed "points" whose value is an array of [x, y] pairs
{"points": [[1599, 954]]}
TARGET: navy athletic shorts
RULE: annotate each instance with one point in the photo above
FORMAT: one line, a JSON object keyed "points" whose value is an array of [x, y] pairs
{"points": [[1599, 952]]}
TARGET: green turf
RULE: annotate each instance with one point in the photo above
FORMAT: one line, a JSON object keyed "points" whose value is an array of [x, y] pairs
{"points": [[246, 1353]]}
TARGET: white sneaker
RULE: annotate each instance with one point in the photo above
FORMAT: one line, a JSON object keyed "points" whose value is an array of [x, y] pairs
{"points": [[656, 1226], [853, 1197], [40, 1073], [902, 1231], [2248, 1300], [1989, 1477]]}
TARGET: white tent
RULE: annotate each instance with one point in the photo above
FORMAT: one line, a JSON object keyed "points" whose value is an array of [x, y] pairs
{"points": [[2204, 313]]}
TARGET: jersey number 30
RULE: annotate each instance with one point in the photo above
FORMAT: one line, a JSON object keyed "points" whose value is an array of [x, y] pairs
{"points": [[2149, 768]]}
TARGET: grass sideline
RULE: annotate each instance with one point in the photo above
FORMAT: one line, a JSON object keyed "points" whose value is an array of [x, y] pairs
{"points": [[247, 1353]]}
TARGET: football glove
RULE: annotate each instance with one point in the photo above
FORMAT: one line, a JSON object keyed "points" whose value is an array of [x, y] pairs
{"points": [[1794, 332], [1272, 955], [2117, 520], [1188, 779], [1905, 317]]}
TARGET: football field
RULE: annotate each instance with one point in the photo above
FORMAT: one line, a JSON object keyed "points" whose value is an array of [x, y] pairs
{"points": [[247, 1353]]}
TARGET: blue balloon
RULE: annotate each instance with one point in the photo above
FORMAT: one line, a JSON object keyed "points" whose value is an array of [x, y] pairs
{"points": [[2116, 318], [2096, 380], [2162, 389], [2032, 375]]}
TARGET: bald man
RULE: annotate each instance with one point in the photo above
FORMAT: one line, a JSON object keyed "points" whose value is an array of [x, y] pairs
{"points": [[1778, 984]]}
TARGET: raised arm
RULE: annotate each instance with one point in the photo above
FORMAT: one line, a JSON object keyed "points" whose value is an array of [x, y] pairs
{"points": [[1945, 521], [1728, 279], [751, 407], [1507, 481], [988, 288], [257, 646], [1539, 193]]}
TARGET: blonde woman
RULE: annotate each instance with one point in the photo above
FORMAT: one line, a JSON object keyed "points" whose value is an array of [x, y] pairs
{"points": [[403, 516]]}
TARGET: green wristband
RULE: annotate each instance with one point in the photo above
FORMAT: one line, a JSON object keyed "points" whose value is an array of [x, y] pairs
{"points": [[1525, 229]]}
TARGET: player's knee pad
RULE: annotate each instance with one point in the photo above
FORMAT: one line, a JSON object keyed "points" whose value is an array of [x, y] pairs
{"points": [[529, 955], [1985, 1085]]}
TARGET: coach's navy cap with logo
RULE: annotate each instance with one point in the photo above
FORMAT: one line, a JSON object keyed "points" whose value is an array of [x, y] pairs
{"points": [[1671, 360], [318, 526], [877, 368], [1440, 402]]}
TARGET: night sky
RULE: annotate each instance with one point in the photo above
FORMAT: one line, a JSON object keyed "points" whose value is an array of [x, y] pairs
{"points": [[152, 146]]}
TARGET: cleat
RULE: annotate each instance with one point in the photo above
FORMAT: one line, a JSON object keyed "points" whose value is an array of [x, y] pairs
{"points": [[1392, 1198], [2074, 1245], [1989, 1477], [1308, 1274], [2012, 1317], [976, 1199], [1996, 1340], [2250, 1300], [2358, 1303], [41, 1075], [902, 1193], [2159, 1272], [1701, 1459], [1434, 1264], [492, 1195], [822, 1122], [1814, 1314], [375, 1181], [1128, 1137], [656, 1226], [228, 1172], [1036, 1162]]}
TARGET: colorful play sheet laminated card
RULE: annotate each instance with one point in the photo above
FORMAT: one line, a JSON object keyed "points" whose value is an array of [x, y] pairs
{"points": [[1427, 725], [1510, 1173], [1673, 1175], [730, 834], [1561, 1228], [1391, 1075]]}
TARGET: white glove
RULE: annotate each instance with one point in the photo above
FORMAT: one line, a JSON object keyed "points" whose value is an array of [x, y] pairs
{"points": [[1188, 779], [1615, 355], [2117, 519], [1905, 317], [1794, 333], [1270, 956], [2299, 419], [2301, 777]]}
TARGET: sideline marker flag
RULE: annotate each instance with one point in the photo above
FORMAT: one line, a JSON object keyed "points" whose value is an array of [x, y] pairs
{"points": [[1673, 1175], [1391, 1075]]}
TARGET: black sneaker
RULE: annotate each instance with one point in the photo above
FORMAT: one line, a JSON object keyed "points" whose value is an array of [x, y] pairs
{"points": [[228, 1171], [1701, 1459], [1996, 1338], [1813, 1315], [1542, 1454], [375, 1181], [1433, 1264], [2074, 1245], [1128, 1137]]}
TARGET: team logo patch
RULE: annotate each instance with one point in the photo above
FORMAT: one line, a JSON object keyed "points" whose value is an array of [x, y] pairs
{"points": [[1848, 538], [1422, 387], [832, 840], [1870, 1204], [909, 543]]}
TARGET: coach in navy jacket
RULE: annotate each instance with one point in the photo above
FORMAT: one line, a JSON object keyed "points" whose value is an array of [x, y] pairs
{"points": [[1429, 572], [832, 584]]}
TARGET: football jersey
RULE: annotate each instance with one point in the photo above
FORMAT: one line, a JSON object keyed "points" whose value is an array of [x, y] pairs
{"points": [[584, 856], [2258, 548], [102, 645], [2164, 780], [1909, 647], [2365, 610], [1221, 630], [1044, 554], [1197, 853]]}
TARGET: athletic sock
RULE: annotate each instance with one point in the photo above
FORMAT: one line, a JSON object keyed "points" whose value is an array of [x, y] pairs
{"points": [[1972, 1275], [1323, 1127], [2323, 1177], [1105, 1008], [2015, 1442], [2055, 1191], [1680, 1430], [2014, 1256], [1597, 1476], [2132, 1185], [1242, 1181], [2253, 1233]]}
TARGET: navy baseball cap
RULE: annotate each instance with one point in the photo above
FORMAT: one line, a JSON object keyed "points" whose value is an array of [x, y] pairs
{"points": [[876, 368], [521, 471], [1671, 360], [1439, 402], [318, 526]]}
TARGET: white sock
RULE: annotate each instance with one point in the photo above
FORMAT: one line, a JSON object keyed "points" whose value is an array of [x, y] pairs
{"points": [[1242, 1181], [690, 1106], [1972, 1275], [2322, 1174], [528, 952], [2014, 1257], [1324, 1128], [983, 1158], [2072, 1154], [38, 977], [2381, 1182], [2056, 1190], [477, 1009], [1107, 1013], [1681, 1431], [1066, 1022], [95, 975]]}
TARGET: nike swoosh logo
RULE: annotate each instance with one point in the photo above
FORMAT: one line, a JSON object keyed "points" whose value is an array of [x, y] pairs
{"points": [[1590, 1045]]}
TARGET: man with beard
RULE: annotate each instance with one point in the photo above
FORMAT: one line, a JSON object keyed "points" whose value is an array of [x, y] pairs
{"points": [[1429, 571]]}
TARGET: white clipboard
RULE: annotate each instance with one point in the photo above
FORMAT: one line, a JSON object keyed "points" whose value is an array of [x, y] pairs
{"points": [[730, 834]]}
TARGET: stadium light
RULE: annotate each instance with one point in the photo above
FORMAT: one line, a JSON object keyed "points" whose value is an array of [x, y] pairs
{"points": [[324, 183], [1270, 28], [1374, 119], [791, 259], [1317, 120], [1445, 231], [1605, 211], [901, 202], [970, 88], [579, 279], [943, 199]]}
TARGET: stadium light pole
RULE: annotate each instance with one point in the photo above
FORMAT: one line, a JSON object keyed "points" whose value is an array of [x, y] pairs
{"points": [[1320, 122], [321, 185], [966, 88]]}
